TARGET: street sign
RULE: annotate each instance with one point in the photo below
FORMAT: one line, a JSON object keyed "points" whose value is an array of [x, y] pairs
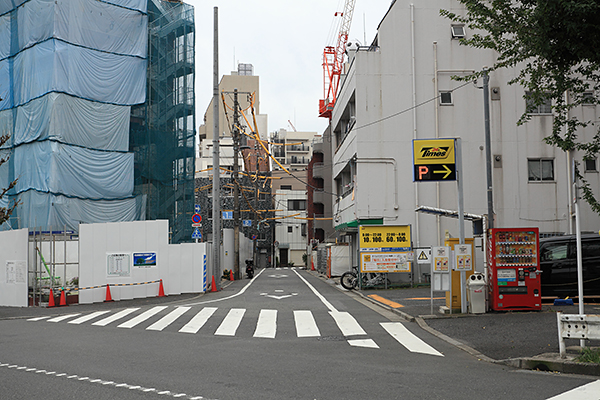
{"points": [[197, 208], [423, 256], [196, 234], [385, 248], [196, 225], [227, 214], [247, 222], [196, 218], [384, 238], [253, 237], [463, 257], [434, 160]]}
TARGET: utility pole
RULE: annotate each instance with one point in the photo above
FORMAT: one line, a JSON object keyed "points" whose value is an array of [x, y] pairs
{"points": [[216, 188], [256, 196], [488, 148], [236, 190]]}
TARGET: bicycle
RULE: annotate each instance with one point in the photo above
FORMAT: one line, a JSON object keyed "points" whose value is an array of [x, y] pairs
{"points": [[349, 279]]}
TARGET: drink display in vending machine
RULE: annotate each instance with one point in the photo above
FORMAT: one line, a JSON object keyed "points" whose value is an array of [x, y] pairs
{"points": [[514, 269]]}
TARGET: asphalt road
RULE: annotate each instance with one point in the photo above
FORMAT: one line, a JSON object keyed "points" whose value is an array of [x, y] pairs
{"points": [[285, 335]]}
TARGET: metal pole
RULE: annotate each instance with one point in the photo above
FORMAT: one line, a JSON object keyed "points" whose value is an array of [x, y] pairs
{"points": [[236, 190], [488, 147], [216, 188], [579, 257], [461, 223]]}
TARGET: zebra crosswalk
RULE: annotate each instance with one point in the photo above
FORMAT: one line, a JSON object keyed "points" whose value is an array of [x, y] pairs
{"points": [[228, 322]]}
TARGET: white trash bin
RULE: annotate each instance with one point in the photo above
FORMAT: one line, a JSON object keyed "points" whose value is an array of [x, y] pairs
{"points": [[476, 288]]}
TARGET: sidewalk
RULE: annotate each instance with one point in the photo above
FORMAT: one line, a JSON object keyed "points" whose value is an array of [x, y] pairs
{"points": [[525, 339]]}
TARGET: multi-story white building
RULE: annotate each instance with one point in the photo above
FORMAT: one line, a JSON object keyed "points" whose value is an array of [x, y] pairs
{"points": [[401, 88], [291, 226], [292, 149]]}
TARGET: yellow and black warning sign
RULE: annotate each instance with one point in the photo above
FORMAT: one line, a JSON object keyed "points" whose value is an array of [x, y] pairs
{"points": [[434, 160]]}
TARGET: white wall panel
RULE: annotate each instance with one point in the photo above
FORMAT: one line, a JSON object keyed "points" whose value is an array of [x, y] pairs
{"points": [[175, 264], [13, 267]]}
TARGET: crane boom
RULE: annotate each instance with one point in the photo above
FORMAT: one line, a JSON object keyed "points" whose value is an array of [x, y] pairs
{"points": [[333, 60]]}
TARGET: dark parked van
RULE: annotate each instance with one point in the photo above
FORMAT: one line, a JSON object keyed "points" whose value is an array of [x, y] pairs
{"points": [[558, 262]]}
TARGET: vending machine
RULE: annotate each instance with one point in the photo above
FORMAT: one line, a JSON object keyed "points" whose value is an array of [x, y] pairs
{"points": [[514, 269]]}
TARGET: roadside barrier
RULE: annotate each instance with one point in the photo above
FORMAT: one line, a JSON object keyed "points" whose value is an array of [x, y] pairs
{"points": [[63, 299], [576, 326]]}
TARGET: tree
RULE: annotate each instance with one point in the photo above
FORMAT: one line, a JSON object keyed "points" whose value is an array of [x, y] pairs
{"points": [[554, 44], [5, 212]]}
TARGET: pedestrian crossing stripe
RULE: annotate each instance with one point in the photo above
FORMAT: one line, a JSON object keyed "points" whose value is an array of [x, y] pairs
{"points": [[266, 326]]}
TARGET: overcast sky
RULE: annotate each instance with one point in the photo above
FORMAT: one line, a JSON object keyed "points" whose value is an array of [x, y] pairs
{"points": [[284, 40]]}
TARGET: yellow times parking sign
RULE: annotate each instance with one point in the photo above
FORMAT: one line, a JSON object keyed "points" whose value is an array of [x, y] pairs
{"points": [[384, 238]]}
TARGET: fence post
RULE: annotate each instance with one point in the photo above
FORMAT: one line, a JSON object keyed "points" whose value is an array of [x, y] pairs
{"points": [[561, 341]]}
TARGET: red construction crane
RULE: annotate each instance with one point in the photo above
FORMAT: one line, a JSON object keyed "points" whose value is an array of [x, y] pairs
{"points": [[333, 58]]}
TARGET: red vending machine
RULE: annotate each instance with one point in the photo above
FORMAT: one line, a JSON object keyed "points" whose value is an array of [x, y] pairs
{"points": [[514, 273]]}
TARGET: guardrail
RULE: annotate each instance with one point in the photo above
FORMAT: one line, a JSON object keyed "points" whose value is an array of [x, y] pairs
{"points": [[576, 326]]}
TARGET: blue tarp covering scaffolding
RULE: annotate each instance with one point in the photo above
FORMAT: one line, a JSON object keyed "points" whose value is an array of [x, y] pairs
{"points": [[70, 70]]}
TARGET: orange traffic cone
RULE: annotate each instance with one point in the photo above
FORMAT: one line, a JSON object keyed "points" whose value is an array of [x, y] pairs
{"points": [[161, 290], [51, 299], [213, 287], [63, 298], [108, 296], [231, 275]]}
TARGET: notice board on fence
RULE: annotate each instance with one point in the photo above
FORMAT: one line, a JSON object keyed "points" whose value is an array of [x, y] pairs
{"points": [[385, 248]]}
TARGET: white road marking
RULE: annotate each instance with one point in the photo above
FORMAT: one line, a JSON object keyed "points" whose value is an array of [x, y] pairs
{"points": [[267, 324], [142, 317], [168, 319], [319, 295], [305, 324], [347, 324], [369, 343], [199, 320], [88, 317], [233, 295], [114, 317], [585, 392], [38, 318], [231, 322], [407, 339], [63, 317]]}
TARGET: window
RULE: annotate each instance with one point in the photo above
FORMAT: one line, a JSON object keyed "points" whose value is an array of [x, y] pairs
{"points": [[591, 165], [446, 98], [290, 229], [588, 99], [285, 187], [533, 108], [555, 251], [540, 170], [297, 205], [303, 229], [590, 248], [458, 31]]}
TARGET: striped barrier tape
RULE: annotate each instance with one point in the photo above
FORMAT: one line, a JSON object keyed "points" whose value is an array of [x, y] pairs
{"points": [[109, 284]]}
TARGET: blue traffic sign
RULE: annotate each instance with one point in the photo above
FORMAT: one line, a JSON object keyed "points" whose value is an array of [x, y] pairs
{"points": [[227, 214], [247, 222], [196, 218], [196, 234], [197, 208]]}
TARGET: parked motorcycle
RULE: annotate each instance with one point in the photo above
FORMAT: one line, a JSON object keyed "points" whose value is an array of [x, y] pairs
{"points": [[249, 269]]}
